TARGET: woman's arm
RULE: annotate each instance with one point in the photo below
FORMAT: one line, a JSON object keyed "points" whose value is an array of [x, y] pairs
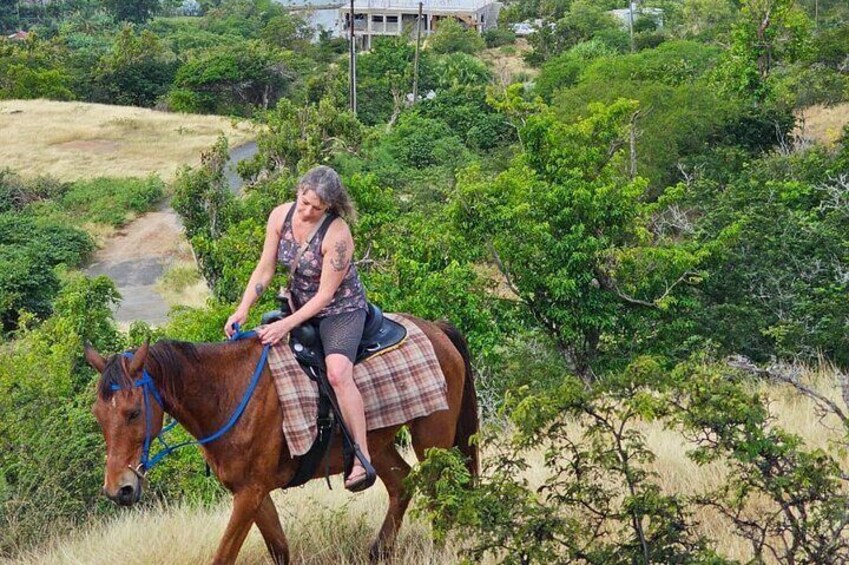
{"points": [[264, 271], [338, 249]]}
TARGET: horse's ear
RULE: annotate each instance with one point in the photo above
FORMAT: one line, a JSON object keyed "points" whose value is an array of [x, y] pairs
{"points": [[139, 358], [95, 359]]}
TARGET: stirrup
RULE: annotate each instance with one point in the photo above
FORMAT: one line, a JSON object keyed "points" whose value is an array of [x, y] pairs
{"points": [[368, 478]]}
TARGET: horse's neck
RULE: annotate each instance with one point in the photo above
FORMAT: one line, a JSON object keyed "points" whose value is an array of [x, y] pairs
{"points": [[207, 389]]}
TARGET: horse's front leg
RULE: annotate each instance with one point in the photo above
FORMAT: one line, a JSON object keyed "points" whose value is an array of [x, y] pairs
{"points": [[268, 523], [245, 505]]}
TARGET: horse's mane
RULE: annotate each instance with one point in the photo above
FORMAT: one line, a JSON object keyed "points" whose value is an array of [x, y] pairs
{"points": [[166, 358]]}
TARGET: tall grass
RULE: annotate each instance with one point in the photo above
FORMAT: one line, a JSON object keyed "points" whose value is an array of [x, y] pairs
{"points": [[335, 527], [322, 526]]}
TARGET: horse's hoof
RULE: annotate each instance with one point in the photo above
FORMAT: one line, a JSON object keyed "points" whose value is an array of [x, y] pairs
{"points": [[378, 553]]}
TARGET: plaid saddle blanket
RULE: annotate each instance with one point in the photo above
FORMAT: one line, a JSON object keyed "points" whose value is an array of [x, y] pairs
{"points": [[397, 386]]}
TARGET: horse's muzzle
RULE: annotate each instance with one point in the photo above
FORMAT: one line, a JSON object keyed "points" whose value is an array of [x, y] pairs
{"points": [[127, 495]]}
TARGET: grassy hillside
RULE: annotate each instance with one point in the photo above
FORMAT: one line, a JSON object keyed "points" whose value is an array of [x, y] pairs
{"points": [[76, 140], [329, 527]]}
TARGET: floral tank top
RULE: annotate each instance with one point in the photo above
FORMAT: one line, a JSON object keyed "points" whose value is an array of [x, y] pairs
{"points": [[350, 295]]}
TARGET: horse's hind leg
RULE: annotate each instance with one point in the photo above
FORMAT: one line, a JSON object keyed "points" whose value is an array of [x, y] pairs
{"points": [[268, 523], [392, 470]]}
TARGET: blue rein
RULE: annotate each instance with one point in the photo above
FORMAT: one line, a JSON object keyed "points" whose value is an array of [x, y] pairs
{"points": [[149, 389]]}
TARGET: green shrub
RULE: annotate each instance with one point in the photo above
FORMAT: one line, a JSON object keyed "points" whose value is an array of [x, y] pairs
{"points": [[110, 200], [497, 37]]}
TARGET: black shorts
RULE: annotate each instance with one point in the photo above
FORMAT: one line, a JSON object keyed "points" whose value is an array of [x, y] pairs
{"points": [[341, 333]]}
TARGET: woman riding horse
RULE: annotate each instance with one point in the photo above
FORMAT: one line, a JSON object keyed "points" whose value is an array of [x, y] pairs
{"points": [[311, 238]]}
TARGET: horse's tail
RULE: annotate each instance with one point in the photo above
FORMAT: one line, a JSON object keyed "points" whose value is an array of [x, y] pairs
{"points": [[467, 421]]}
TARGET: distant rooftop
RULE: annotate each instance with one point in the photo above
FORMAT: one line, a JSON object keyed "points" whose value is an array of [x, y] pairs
{"points": [[428, 5]]}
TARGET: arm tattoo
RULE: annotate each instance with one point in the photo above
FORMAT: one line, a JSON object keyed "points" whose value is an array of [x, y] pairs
{"points": [[339, 262], [259, 289]]}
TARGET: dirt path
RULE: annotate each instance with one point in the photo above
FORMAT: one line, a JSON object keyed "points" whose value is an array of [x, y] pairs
{"points": [[136, 257]]}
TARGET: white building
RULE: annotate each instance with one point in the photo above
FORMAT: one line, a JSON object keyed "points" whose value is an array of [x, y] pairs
{"points": [[374, 18]]}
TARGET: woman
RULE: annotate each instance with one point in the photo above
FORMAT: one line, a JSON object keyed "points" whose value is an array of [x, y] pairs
{"points": [[324, 285]]}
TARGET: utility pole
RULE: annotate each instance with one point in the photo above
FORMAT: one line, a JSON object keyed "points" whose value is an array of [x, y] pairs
{"points": [[416, 59], [817, 14], [352, 67], [631, 22]]}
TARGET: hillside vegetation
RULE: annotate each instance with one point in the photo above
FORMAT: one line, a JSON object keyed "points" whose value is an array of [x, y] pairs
{"points": [[74, 140], [643, 237]]}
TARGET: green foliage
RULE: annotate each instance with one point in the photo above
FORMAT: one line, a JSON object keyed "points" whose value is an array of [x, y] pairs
{"points": [[385, 76], [465, 110], [109, 200], [598, 503], [454, 37], [136, 11], [829, 48], [584, 21], [235, 79], [50, 466], [766, 33], [801, 86], [33, 69], [708, 19], [420, 142], [136, 72], [565, 227], [776, 282], [461, 69], [496, 37], [298, 137], [16, 193], [29, 251], [798, 491], [206, 207], [564, 70]]}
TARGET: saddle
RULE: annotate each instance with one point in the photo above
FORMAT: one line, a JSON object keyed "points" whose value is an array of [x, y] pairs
{"points": [[380, 334]]}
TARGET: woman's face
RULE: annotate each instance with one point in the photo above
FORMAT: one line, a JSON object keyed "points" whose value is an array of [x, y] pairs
{"points": [[310, 207]]}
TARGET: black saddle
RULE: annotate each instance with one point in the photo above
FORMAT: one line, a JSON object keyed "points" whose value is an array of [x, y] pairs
{"points": [[379, 334]]}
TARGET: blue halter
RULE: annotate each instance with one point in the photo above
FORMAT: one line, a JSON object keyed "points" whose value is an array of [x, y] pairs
{"points": [[149, 389]]}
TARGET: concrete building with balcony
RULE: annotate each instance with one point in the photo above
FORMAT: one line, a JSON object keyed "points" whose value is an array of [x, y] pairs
{"points": [[375, 18]]}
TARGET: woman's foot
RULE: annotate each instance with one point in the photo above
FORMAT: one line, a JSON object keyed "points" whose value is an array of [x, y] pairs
{"points": [[359, 479]]}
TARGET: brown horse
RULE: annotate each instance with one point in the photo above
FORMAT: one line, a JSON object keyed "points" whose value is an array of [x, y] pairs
{"points": [[200, 385]]}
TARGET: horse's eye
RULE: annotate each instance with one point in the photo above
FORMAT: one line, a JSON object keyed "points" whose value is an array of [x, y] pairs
{"points": [[133, 415]]}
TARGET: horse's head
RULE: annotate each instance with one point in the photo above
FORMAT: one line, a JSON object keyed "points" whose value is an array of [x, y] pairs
{"points": [[129, 419]]}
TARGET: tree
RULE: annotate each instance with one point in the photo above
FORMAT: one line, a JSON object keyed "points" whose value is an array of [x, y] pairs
{"points": [[136, 72], [385, 76], [767, 32], [453, 37], [708, 19], [135, 11], [232, 80], [297, 138], [34, 68], [564, 227]]}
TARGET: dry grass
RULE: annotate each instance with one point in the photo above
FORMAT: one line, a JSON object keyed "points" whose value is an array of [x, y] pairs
{"points": [[507, 64], [182, 285], [74, 140], [823, 124], [323, 527], [327, 527]]}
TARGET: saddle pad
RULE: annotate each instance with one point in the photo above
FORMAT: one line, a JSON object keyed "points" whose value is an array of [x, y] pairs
{"points": [[397, 386]]}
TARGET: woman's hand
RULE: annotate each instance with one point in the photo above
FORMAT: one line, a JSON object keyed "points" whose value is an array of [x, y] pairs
{"points": [[270, 334], [238, 317]]}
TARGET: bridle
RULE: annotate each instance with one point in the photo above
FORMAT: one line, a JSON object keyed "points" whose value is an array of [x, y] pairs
{"points": [[149, 391]]}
